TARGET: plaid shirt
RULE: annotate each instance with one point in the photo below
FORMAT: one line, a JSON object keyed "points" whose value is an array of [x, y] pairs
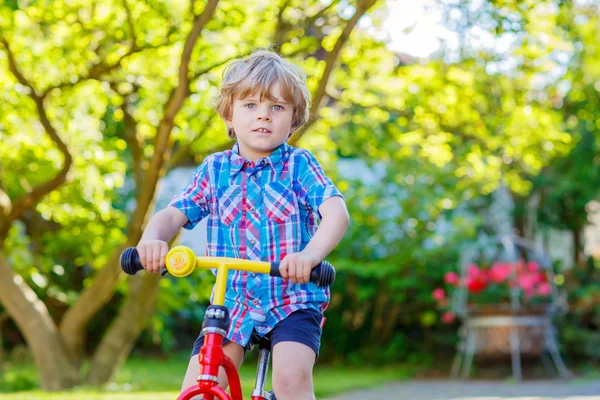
{"points": [[259, 210]]}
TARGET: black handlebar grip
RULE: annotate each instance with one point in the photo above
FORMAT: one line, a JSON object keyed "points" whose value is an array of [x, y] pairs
{"points": [[131, 263], [323, 274]]}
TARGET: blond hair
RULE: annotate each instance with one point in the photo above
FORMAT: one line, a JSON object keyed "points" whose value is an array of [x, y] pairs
{"points": [[257, 74]]}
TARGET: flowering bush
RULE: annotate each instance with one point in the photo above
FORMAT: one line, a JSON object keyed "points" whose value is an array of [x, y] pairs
{"points": [[492, 285]]}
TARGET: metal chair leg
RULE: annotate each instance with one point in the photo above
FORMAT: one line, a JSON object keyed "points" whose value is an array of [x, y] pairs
{"points": [[515, 353], [459, 357], [470, 352], [547, 363], [456, 364], [552, 346]]}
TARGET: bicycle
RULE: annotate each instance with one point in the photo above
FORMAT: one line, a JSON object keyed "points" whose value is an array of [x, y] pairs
{"points": [[180, 262]]}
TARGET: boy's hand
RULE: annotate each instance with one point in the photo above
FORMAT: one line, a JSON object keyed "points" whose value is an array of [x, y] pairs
{"points": [[297, 266], [152, 254]]}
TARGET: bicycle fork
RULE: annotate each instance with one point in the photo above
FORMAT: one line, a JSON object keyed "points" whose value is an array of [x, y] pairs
{"points": [[262, 370]]}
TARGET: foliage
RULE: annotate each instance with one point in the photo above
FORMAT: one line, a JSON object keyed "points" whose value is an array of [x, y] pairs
{"points": [[179, 313], [570, 182], [388, 263], [579, 329], [435, 134], [113, 89]]}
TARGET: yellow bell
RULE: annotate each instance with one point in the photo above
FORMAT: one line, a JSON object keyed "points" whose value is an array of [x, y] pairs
{"points": [[181, 261]]}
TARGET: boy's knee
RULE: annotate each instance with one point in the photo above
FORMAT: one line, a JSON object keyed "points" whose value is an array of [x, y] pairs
{"points": [[288, 383]]}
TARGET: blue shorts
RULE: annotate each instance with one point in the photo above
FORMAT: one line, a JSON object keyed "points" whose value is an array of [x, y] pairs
{"points": [[301, 326]]}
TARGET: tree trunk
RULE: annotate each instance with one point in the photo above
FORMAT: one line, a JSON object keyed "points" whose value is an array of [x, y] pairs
{"points": [[379, 312], [74, 323], [50, 353], [3, 318], [387, 331], [123, 332]]}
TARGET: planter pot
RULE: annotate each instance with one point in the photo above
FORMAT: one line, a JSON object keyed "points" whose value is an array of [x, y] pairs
{"points": [[498, 325]]}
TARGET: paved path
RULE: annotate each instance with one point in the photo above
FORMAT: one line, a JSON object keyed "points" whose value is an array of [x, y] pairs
{"points": [[446, 390]]}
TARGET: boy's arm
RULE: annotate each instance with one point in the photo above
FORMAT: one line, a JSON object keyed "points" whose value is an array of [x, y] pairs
{"points": [[161, 228], [331, 229]]}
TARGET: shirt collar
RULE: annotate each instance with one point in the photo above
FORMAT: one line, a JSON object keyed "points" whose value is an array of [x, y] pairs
{"points": [[276, 160]]}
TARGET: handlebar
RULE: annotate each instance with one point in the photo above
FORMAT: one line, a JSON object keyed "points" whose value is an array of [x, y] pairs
{"points": [[181, 261]]}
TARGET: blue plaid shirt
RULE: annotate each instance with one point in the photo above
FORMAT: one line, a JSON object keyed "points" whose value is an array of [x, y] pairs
{"points": [[259, 210]]}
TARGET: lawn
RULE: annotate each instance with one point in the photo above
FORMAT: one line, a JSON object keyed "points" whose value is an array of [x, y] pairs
{"points": [[158, 379]]}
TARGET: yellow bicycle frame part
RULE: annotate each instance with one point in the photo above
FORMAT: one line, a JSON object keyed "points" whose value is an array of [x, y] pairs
{"points": [[181, 261]]}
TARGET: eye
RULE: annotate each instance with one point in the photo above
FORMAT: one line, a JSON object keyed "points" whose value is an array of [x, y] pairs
{"points": [[250, 106], [277, 107]]}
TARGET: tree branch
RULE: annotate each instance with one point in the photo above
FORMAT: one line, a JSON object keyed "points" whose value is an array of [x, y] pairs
{"points": [[178, 95], [130, 135], [130, 24], [98, 70], [330, 61], [206, 70], [30, 199], [309, 22], [93, 298], [183, 150], [282, 27]]}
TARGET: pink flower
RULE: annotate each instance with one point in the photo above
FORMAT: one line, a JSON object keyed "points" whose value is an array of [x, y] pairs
{"points": [[532, 266], [499, 272], [448, 317], [520, 265], [473, 270], [438, 294], [544, 289], [528, 281], [452, 278]]}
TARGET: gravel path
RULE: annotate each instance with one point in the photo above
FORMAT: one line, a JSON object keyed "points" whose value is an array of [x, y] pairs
{"points": [[446, 390]]}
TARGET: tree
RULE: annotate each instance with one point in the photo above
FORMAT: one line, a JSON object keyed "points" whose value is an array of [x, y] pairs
{"points": [[570, 182], [116, 59]]}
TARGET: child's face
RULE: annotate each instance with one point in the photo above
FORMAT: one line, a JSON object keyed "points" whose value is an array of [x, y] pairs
{"points": [[261, 126]]}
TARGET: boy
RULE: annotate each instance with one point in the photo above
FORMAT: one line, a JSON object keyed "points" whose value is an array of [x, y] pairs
{"points": [[263, 199]]}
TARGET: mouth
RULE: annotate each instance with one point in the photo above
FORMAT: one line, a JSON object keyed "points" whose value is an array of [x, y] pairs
{"points": [[262, 130]]}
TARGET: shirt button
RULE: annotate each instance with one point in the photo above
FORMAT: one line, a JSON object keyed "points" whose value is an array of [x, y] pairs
{"points": [[254, 177], [252, 241], [256, 302], [253, 210]]}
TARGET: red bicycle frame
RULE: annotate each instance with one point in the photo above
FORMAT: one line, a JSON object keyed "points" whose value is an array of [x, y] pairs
{"points": [[211, 357], [180, 262]]}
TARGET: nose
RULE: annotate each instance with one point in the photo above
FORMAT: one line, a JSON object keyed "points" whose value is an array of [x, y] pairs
{"points": [[264, 115]]}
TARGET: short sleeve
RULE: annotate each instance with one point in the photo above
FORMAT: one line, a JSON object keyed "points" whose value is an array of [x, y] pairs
{"points": [[194, 201], [314, 187]]}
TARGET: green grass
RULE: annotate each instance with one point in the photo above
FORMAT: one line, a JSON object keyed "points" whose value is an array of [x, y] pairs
{"points": [[158, 379]]}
